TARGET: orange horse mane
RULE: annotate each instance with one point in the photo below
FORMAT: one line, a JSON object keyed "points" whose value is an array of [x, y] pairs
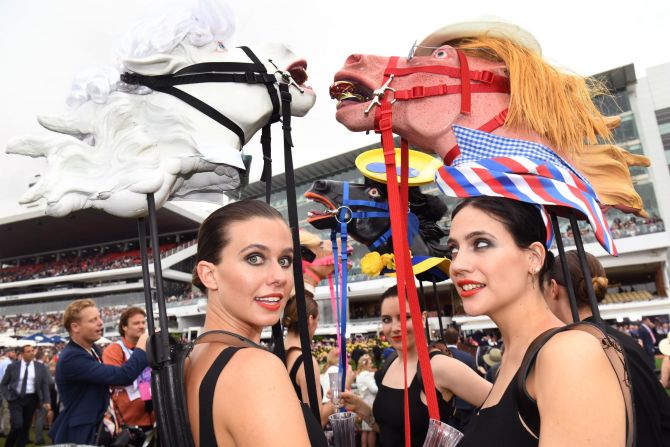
{"points": [[556, 105]]}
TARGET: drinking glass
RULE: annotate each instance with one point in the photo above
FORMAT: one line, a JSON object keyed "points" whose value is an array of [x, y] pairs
{"points": [[344, 429], [335, 379], [441, 435]]}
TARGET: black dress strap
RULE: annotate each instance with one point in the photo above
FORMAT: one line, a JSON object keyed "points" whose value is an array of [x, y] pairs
{"points": [[528, 411], [206, 396], [293, 375]]}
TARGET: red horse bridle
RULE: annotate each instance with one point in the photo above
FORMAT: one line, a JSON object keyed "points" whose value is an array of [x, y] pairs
{"points": [[384, 97]]}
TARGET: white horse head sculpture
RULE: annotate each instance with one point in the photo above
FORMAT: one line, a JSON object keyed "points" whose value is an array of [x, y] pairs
{"points": [[116, 148]]}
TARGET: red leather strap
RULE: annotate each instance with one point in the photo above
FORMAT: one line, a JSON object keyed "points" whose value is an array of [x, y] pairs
{"points": [[420, 91], [398, 207], [465, 82], [488, 127], [484, 76]]}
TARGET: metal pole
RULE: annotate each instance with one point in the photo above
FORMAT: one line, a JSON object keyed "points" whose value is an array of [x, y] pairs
{"points": [[163, 353], [144, 256], [564, 267], [585, 270]]}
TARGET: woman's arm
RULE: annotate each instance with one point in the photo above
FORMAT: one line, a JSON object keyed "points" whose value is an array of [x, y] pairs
{"points": [[578, 394], [665, 372], [257, 404], [458, 378]]}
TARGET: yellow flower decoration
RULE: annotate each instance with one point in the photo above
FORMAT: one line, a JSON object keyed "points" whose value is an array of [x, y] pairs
{"points": [[389, 261], [371, 264]]}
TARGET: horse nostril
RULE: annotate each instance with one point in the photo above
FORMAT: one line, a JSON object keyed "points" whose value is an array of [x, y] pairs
{"points": [[354, 59], [320, 185]]}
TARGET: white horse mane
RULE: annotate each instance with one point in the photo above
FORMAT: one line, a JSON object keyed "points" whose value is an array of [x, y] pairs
{"points": [[198, 24]]}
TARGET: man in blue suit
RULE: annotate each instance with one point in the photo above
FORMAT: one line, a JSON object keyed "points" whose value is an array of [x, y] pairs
{"points": [[83, 380], [648, 337], [25, 385]]}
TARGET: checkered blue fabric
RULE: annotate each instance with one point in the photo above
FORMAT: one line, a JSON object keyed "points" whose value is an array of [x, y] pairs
{"points": [[476, 145], [527, 172]]}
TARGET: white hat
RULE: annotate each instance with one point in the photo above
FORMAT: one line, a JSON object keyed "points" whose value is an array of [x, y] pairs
{"points": [[664, 346], [483, 26]]}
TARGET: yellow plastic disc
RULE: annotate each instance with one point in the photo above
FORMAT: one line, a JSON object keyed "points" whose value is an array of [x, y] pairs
{"points": [[422, 167]]}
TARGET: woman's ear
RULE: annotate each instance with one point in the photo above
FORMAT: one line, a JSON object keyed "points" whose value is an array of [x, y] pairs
{"points": [[537, 253], [206, 273], [553, 290]]}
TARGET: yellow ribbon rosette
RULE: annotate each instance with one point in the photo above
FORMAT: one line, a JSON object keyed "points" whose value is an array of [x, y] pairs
{"points": [[373, 263]]}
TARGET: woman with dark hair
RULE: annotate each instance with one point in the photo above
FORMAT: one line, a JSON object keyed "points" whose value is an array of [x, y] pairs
{"points": [[386, 415], [652, 404], [294, 359], [498, 253], [243, 396]]}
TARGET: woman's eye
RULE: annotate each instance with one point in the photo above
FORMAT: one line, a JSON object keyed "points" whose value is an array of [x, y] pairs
{"points": [[386, 320], [482, 243], [451, 252], [440, 54], [255, 259], [286, 262]]}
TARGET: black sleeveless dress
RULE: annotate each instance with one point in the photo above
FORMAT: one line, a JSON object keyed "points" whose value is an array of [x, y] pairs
{"points": [[293, 373], [498, 425], [389, 412], [206, 398]]}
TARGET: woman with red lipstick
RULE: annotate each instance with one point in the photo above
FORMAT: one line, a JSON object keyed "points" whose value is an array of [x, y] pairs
{"points": [[387, 413], [498, 256], [294, 360], [242, 395]]}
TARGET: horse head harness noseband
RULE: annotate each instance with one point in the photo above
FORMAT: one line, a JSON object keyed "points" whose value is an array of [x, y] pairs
{"points": [[238, 72]]}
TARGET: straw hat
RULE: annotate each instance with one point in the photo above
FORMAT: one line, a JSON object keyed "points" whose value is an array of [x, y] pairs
{"points": [[493, 357], [482, 26], [664, 346]]}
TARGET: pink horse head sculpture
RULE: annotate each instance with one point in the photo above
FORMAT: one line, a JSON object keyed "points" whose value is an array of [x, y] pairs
{"points": [[321, 266], [495, 84]]}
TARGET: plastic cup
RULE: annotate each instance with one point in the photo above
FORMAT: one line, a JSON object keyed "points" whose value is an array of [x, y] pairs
{"points": [[334, 380], [441, 435], [344, 429]]}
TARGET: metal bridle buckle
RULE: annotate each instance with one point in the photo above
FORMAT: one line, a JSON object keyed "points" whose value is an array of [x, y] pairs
{"points": [[286, 76], [348, 216], [379, 94]]}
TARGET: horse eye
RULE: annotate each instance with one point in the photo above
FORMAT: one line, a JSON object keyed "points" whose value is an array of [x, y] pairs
{"points": [[441, 54], [374, 193]]}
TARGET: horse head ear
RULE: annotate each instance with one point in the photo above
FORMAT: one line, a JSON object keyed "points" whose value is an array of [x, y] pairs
{"points": [[156, 64]]}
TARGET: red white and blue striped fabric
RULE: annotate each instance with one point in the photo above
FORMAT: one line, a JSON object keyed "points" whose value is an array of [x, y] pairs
{"points": [[491, 165]]}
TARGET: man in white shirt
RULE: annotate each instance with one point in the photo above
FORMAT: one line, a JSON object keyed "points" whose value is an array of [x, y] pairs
{"points": [[25, 385]]}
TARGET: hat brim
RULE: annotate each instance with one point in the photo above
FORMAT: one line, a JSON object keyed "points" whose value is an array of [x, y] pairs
{"points": [[489, 361], [478, 28], [422, 167], [664, 346], [421, 264]]}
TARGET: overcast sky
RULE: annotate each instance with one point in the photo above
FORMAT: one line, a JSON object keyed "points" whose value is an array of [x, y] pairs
{"points": [[44, 43]]}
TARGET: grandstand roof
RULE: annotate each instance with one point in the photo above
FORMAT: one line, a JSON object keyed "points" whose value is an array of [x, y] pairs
{"points": [[35, 233]]}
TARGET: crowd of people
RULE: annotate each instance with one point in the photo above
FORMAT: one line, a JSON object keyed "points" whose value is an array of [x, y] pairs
{"points": [[85, 394], [68, 264], [50, 323]]}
